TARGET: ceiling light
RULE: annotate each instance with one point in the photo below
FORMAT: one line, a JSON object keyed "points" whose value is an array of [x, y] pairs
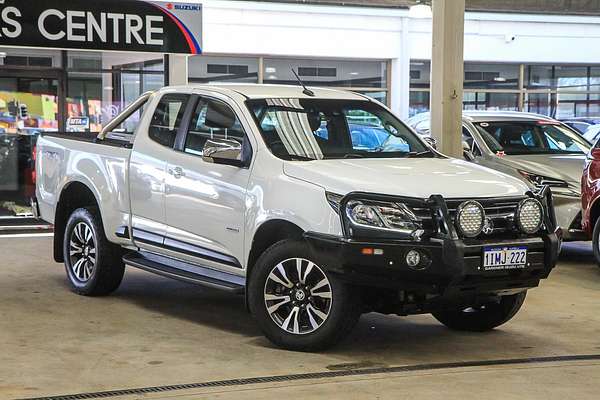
{"points": [[420, 11], [270, 70]]}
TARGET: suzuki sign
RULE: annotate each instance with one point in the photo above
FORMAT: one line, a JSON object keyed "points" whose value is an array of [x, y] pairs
{"points": [[126, 25]]}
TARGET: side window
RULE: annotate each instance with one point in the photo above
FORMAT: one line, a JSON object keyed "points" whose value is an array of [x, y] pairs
{"points": [[167, 118], [212, 119]]}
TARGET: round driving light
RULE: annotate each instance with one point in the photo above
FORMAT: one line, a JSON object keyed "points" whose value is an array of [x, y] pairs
{"points": [[529, 216], [413, 258], [470, 218]]}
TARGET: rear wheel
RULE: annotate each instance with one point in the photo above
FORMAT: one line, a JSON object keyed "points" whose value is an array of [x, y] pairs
{"points": [[298, 304], [483, 317], [596, 241], [93, 264]]}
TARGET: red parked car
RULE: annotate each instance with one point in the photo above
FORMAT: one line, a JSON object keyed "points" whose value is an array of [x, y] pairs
{"points": [[590, 196]]}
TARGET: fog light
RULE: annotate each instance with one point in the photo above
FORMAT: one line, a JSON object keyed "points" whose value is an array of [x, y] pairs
{"points": [[413, 258], [530, 216], [470, 218]]}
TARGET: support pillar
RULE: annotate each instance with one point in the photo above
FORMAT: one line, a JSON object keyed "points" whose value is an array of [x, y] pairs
{"points": [[447, 75], [178, 69], [400, 75]]}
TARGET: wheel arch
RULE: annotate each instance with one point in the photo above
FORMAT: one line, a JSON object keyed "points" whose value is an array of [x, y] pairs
{"points": [[74, 195], [594, 213], [266, 235]]}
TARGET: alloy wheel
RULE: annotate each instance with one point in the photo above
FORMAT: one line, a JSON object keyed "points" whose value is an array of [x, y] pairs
{"points": [[298, 296], [82, 252]]}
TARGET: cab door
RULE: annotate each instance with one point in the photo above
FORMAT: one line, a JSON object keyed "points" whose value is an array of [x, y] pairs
{"points": [[205, 201], [148, 171]]}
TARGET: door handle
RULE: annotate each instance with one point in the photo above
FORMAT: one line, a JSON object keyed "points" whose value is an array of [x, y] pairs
{"points": [[177, 172]]}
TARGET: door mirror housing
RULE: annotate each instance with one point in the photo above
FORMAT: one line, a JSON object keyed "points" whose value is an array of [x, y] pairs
{"points": [[223, 151], [595, 153], [467, 153], [430, 141]]}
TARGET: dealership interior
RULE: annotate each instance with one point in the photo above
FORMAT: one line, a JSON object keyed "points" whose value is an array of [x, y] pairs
{"points": [[507, 88]]}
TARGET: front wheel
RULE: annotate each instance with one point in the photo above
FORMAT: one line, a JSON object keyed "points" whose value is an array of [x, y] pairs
{"points": [[596, 241], [483, 317], [298, 304]]}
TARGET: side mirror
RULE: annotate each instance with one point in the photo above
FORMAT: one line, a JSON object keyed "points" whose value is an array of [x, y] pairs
{"points": [[595, 154], [467, 153], [223, 151], [430, 141]]}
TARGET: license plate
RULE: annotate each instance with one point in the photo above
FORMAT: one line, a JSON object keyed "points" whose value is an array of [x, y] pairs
{"points": [[503, 258]]}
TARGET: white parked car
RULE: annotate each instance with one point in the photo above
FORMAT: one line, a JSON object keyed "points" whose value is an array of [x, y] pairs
{"points": [[317, 205], [535, 148]]}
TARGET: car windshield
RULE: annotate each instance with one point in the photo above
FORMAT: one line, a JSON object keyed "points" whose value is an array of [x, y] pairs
{"points": [[531, 137], [316, 129]]}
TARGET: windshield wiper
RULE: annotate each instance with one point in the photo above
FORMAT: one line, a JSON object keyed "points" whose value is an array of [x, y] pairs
{"points": [[353, 155], [414, 154], [295, 157]]}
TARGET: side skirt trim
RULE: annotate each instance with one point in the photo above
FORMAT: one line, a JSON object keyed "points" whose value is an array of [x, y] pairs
{"points": [[176, 269]]}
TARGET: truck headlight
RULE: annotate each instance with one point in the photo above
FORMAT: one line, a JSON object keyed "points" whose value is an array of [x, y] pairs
{"points": [[470, 218], [395, 219], [529, 216]]}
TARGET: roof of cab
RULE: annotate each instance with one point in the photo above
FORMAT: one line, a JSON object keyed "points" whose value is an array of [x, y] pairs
{"points": [[487, 116], [481, 116], [255, 91]]}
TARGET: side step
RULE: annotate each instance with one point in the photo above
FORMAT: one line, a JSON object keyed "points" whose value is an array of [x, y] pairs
{"points": [[184, 271]]}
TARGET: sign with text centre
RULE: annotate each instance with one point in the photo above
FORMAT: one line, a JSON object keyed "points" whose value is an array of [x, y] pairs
{"points": [[125, 25]]}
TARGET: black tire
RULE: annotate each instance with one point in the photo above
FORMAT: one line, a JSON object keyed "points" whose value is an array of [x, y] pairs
{"points": [[483, 318], [344, 308], [596, 241], [105, 274]]}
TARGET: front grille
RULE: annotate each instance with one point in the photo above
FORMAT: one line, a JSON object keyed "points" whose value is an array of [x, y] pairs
{"points": [[501, 212]]}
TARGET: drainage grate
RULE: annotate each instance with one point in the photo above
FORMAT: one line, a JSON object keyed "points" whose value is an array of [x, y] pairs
{"points": [[317, 375]]}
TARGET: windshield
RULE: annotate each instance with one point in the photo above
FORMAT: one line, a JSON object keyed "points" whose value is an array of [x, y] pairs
{"points": [[531, 137], [316, 129]]}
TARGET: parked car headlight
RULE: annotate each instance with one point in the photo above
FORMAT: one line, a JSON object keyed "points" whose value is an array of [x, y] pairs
{"points": [[395, 220], [470, 218], [529, 216], [540, 180]]}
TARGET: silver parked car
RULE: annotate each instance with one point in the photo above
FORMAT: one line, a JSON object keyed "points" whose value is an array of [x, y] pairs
{"points": [[535, 148]]}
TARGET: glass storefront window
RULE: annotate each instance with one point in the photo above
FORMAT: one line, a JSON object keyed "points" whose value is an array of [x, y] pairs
{"points": [[491, 76], [207, 69], [418, 102], [491, 101], [28, 106], [319, 72], [477, 75], [420, 74], [101, 85], [540, 103]]}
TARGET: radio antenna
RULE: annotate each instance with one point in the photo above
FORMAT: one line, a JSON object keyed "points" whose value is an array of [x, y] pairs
{"points": [[306, 90]]}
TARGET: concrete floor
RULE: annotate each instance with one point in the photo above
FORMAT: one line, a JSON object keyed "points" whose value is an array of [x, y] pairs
{"points": [[154, 331]]}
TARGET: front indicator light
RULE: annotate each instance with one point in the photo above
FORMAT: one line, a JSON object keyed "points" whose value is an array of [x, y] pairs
{"points": [[529, 216]]}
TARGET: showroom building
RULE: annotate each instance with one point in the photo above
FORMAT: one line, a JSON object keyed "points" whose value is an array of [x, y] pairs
{"points": [[513, 61]]}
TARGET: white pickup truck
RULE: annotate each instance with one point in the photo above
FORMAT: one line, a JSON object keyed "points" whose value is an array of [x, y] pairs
{"points": [[317, 205]]}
